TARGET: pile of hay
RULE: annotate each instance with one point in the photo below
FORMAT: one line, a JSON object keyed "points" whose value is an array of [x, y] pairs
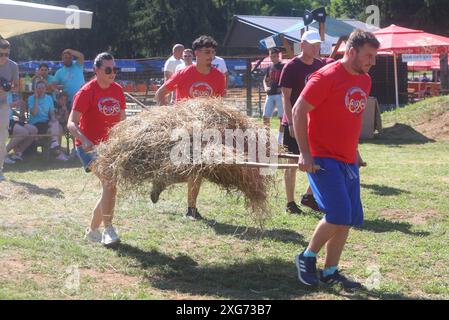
{"points": [[138, 152]]}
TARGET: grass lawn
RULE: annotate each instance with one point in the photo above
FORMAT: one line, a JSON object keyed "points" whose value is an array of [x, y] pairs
{"points": [[400, 253]]}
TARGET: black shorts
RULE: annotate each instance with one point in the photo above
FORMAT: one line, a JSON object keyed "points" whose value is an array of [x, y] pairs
{"points": [[289, 142], [42, 127]]}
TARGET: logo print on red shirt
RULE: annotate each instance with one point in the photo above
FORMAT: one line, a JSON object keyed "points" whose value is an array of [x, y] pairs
{"points": [[200, 89], [356, 100], [109, 106]]}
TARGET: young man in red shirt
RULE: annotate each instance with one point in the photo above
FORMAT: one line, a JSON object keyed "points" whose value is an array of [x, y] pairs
{"points": [[196, 81], [327, 121], [97, 107]]}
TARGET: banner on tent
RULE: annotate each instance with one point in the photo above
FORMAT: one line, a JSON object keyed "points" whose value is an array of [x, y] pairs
{"points": [[416, 57]]}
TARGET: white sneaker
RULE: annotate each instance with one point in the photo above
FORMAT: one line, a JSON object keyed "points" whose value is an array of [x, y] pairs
{"points": [[109, 237], [93, 235], [9, 161], [62, 157], [2, 177]]}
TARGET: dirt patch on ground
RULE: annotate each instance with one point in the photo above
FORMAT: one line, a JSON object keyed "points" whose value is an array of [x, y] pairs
{"points": [[437, 128], [109, 279], [415, 218]]}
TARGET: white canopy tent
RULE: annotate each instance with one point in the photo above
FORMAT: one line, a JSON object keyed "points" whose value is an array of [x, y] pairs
{"points": [[18, 17]]}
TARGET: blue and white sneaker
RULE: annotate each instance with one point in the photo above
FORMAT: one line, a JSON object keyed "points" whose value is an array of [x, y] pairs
{"points": [[338, 278], [307, 272]]}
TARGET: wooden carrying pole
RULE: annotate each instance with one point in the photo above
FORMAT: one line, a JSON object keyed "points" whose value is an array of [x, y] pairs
{"points": [[136, 101]]}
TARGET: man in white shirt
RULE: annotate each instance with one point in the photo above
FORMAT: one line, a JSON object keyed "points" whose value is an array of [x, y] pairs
{"points": [[173, 61], [220, 64]]}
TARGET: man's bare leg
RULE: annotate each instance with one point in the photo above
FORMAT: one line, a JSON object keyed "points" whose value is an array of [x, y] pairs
{"points": [[335, 246]]}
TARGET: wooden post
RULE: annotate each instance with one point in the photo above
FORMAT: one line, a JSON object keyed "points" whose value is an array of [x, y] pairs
{"points": [[323, 31], [337, 47], [249, 89], [444, 73]]}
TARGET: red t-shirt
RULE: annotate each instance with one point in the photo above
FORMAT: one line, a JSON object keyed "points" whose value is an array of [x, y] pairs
{"points": [[189, 83], [339, 99], [100, 110]]}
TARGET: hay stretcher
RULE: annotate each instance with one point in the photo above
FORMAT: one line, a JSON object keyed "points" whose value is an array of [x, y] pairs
{"points": [[280, 166]]}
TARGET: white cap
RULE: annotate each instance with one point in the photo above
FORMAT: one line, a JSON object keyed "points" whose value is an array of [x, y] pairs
{"points": [[311, 37]]}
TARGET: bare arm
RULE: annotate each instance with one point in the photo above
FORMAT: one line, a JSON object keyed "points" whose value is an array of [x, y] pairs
{"points": [[286, 100], [161, 95], [266, 85], [300, 123], [167, 75], [78, 56], [73, 127]]}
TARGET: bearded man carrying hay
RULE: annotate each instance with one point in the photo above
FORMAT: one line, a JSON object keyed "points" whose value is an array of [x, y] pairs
{"points": [[200, 80]]}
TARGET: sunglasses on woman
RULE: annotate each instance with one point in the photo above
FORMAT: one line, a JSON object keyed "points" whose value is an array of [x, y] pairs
{"points": [[109, 70]]}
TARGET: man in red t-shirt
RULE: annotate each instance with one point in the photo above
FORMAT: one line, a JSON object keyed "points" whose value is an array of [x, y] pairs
{"points": [[97, 107], [197, 81], [327, 121]]}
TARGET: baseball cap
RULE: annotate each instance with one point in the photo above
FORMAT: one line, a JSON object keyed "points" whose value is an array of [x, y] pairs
{"points": [[311, 37]]}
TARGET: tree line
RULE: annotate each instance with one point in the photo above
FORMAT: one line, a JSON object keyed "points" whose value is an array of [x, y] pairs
{"points": [[149, 28]]}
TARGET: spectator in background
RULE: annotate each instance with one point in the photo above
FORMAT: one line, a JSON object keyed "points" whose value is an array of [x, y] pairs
{"points": [[9, 76], [42, 118], [19, 132], [42, 74], [424, 78], [70, 78], [62, 112], [220, 64], [174, 61], [171, 64], [187, 56], [273, 90]]}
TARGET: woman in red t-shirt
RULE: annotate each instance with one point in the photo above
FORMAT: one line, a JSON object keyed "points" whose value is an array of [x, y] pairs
{"points": [[97, 107]]}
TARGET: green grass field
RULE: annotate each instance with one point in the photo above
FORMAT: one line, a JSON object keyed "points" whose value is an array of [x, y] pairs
{"points": [[400, 253]]}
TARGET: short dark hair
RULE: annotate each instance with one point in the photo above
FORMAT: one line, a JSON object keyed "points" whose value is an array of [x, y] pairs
{"points": [[43, 65], [359, 38], [99, 59], [274, 50], [4, 44], [204, 42]]}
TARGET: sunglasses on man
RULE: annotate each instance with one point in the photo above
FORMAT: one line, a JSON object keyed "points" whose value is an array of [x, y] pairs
{"points": [[109, 70], [6, 55]]}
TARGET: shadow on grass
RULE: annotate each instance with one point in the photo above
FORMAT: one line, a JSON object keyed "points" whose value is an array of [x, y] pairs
{"points": [[37, 163], [382, 225], [36, 190], [251, 233], [256, 279], [399, 134], [384, 190]]}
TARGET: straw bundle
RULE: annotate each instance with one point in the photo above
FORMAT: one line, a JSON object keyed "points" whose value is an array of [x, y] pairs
{"points": [[138, 152]]}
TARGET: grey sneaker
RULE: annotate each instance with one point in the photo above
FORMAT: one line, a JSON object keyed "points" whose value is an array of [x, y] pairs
{"points": [[109, 237], [93, 235], [2, 177]]}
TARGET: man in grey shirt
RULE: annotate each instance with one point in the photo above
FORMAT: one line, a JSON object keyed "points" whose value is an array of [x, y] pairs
{"points": [[9, 81]]}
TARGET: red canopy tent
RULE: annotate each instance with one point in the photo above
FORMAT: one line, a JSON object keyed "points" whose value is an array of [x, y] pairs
{"points": [[399, 40]]}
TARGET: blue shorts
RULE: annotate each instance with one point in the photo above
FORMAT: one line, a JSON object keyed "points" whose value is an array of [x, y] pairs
{"points": [[273, 102], [337, 191], [86, 158]]}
